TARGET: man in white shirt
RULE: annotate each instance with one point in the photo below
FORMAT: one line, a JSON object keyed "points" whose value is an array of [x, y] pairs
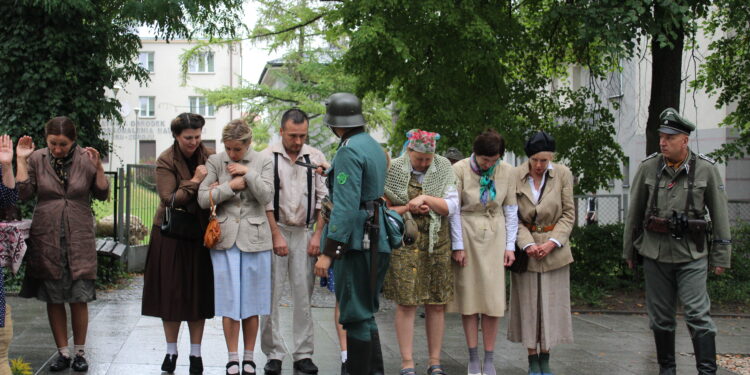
{"points": [[295, 209]]}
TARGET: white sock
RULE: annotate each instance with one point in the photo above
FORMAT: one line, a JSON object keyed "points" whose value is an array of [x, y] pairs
{"points": [[195, 350], [248, 356], [234, 369], [64, 351], [172, 348], [79, 349], [343, 356]]}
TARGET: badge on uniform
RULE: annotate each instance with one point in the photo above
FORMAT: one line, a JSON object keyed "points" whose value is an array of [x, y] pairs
{"points": [[341, 178]]}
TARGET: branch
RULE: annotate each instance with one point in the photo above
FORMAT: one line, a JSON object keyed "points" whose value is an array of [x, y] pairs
{"points": [[291, 28]]}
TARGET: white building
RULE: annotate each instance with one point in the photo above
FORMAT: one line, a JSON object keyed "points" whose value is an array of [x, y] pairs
{"points": [[148, 110]]}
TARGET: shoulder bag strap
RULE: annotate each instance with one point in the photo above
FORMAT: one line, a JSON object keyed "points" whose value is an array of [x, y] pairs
{"points": [[691, 181], [659, 171]]}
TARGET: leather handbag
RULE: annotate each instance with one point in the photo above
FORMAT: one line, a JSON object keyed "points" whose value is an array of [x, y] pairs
{"points": [[213, 230], [521, 264], [179, 223], [411, 230]]}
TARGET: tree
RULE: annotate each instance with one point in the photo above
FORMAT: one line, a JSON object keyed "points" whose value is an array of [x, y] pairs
{"points": [[459, 67], [726, 71], [58, 57]]}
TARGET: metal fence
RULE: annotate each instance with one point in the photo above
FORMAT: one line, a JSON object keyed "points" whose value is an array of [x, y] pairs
{"points": [[601, 209], [141, 202], [739, 211]]}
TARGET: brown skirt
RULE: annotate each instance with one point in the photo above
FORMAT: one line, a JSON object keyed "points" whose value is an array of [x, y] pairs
{"points": [[178, 283]]}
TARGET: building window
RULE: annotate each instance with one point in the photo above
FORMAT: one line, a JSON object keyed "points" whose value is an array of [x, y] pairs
{"points": [[210, 143], [146, 60], [147, 152], [202, 63], [146, 108], [199, 105]]}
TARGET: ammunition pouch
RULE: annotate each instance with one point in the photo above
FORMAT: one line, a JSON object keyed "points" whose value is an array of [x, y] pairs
{"points": [[657, 224]]}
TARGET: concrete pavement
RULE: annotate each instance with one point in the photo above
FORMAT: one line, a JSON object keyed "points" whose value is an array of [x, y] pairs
{"points": [[121, 341]]}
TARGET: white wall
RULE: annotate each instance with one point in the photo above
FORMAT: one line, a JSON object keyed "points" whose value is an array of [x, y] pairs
{"points": [[171, 99]]}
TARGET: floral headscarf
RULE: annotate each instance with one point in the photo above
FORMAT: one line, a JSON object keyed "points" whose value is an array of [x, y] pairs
{"points": [[422, 141]]}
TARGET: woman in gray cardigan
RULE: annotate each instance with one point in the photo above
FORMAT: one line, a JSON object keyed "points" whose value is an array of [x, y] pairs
{"points": [[240, 182]]}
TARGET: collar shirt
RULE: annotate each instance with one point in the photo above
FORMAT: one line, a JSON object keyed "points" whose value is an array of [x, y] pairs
{"points": [[293, 189], [537, 193]]}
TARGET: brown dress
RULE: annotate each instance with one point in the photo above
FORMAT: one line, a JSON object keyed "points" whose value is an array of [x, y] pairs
{"points": [[178, 281]]}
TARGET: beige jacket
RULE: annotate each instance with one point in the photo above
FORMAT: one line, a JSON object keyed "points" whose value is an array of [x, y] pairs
{"points": [[555, 207], [242, 214]]}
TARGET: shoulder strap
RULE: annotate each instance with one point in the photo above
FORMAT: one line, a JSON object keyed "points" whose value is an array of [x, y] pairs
{"points": [[691, 181], [276, 183], [659, 171], [309, 191]]}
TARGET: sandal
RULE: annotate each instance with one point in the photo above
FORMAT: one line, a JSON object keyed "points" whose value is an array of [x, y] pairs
{"points": [[436, 370], [407, 371]]}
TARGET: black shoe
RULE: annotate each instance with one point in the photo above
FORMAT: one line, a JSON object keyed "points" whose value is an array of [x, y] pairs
{"points": [[80, 364], [306, 366], [272, 367], [344, 370], [251, 363], [230, 364], [196, 364], [376, 359], [61, 363], [705, 354], [665, 352], [170, 363]]}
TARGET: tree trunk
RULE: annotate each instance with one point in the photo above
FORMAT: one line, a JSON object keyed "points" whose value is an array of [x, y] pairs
{"points": [[666, 80]]}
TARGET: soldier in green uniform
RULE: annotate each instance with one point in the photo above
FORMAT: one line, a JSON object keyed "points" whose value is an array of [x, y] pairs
{"points": [[666, 227], [356, 180]]}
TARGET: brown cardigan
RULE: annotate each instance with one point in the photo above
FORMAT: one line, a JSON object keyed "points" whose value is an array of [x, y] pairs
{"points": [[54, 201], [173, 175]]}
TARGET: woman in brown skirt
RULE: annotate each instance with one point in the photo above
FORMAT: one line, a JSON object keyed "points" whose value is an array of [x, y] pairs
{"points": [[178, 282], [540, 297]]}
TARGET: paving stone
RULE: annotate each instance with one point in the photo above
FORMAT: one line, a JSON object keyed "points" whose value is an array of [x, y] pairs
{"points": [[121, 341]]}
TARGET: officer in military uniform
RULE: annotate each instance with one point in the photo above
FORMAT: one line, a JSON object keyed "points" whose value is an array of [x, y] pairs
{"points": [[355, 234], [666, 227]]}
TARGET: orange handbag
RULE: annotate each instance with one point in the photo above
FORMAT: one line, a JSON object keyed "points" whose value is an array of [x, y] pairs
{"points": [[213, 231]]}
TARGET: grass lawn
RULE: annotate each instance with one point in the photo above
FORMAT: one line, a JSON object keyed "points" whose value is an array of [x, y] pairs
{"points": [[143, 205]]}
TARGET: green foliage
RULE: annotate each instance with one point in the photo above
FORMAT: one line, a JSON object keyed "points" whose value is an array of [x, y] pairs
{"points": [[58, 57], [734, 285], [458, 68], [726, 71], [598, 268]]}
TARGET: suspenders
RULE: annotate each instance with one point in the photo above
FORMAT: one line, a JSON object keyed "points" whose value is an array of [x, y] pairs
{"points": [[277, 184]]}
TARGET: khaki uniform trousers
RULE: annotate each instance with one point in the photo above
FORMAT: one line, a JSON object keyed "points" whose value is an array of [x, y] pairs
{"points": [[297, 268]]}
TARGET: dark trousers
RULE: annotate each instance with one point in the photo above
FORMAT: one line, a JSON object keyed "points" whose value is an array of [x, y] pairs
{"points": [[665, 283]]}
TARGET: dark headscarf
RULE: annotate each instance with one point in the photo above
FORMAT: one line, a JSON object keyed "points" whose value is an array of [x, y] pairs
{"points": [[61, 166]]}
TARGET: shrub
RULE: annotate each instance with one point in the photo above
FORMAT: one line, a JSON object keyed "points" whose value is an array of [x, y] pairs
{"points": [[20, 367], [597, 254], [734, 285]]}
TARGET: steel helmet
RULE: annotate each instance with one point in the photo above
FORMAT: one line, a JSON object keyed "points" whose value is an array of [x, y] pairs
{"points": [[343, 110]]}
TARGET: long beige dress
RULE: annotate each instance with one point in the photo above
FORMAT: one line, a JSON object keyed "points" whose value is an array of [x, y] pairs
{"points": [[480, 285]]}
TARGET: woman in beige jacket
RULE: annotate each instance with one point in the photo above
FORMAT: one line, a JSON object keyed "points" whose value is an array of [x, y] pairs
{"points": [[540, 297], [240, 182]]}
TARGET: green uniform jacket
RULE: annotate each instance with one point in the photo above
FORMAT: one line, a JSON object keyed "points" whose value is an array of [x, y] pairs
{"points": [[357, 175], [708, 193]]}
